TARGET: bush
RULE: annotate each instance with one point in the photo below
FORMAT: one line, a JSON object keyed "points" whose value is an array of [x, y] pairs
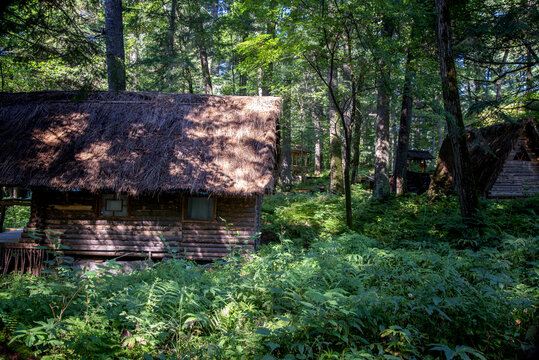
{"points": [[17, 216], [345, 295]]}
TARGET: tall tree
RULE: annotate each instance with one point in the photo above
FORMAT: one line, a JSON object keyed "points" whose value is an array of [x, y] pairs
{"points": [[335, 144], [463, 178], [286, 140], [399, 173], [171, 40], [317, 115], [381, 157], [114, 31]]}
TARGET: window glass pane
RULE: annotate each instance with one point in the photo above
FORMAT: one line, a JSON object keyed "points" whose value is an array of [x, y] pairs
{"points": [[113, 205], [199, 208], [122, 212]]}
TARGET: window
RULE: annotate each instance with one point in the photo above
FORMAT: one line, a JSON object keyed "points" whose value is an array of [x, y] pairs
{"points": [[200, 208], [114, 205]]}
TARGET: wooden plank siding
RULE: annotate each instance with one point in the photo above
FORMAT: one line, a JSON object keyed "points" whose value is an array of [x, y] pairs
{"points": [[518, 178], [76, 217]]}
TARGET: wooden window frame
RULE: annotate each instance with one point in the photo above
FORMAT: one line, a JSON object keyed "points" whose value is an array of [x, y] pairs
{"points": [[184, 209], [112, 217]]}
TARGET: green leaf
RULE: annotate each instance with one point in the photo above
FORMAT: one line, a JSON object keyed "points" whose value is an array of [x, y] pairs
{"points": [[272, 345], [263, 331]]}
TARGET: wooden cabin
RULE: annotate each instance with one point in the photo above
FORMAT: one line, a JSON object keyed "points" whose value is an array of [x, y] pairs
{"points": [[505, 159], [112, 175], [420, 157], [300, 157]]}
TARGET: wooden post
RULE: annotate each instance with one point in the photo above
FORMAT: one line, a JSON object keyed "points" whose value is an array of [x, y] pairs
{"points": [[2, 218]]}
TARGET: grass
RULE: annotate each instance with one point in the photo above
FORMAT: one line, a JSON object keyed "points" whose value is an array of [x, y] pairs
{"points": [[408, 282]]}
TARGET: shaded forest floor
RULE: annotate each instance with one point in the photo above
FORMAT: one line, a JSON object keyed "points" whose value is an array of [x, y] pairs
{"points": [[409, 281]]}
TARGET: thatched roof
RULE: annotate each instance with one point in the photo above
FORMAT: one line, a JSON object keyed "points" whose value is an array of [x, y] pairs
{"points": [[419, 155], [489, 148], [138, 142]]}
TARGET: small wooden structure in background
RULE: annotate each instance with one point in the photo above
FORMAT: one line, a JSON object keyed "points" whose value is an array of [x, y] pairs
{"points": [[137, 174], [418, 181], [505, 159], [420, 157], [301, 159]]}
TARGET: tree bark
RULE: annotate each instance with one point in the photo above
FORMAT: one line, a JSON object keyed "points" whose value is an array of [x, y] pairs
{"points": [[392, 142], [529, 75], [171, 49], [242, 78], [381, 155], [267, 72], [242, 84], [206, 76], [203, 54], [286, 157], [336, 171], [356, 143], [189, 78], [500, 80], [2, 75], [114, 40], [317, 113], [347, 126], [259, 79], [463, 178], [399, 174], [267, 75]]}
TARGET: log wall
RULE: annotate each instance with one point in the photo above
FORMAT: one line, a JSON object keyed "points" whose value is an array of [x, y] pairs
{"points": [[518, 178], [74, 219]]}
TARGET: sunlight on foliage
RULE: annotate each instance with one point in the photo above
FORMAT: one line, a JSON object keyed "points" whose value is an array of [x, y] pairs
{"points": [[332, 294]]}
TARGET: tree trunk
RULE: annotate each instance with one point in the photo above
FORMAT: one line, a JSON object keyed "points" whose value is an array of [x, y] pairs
{"points": [[356, 143], [336, 174], [114, 40], [205, 69], [189, 78], [392, 142], [317, 113], [286, 157], [529, 75], [243, 78], [267, 72], [499, 82], [381, 155], [2, 75], [267, 75], [399, 174], [463, 179], [171, 49], [347, 123], [203, 54], [232, 67], [243, 84], [259, 79]]}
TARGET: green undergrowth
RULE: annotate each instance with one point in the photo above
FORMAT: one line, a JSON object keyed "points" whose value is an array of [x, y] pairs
{"points": [[17, 216], [386, 290], [398, 220]]}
